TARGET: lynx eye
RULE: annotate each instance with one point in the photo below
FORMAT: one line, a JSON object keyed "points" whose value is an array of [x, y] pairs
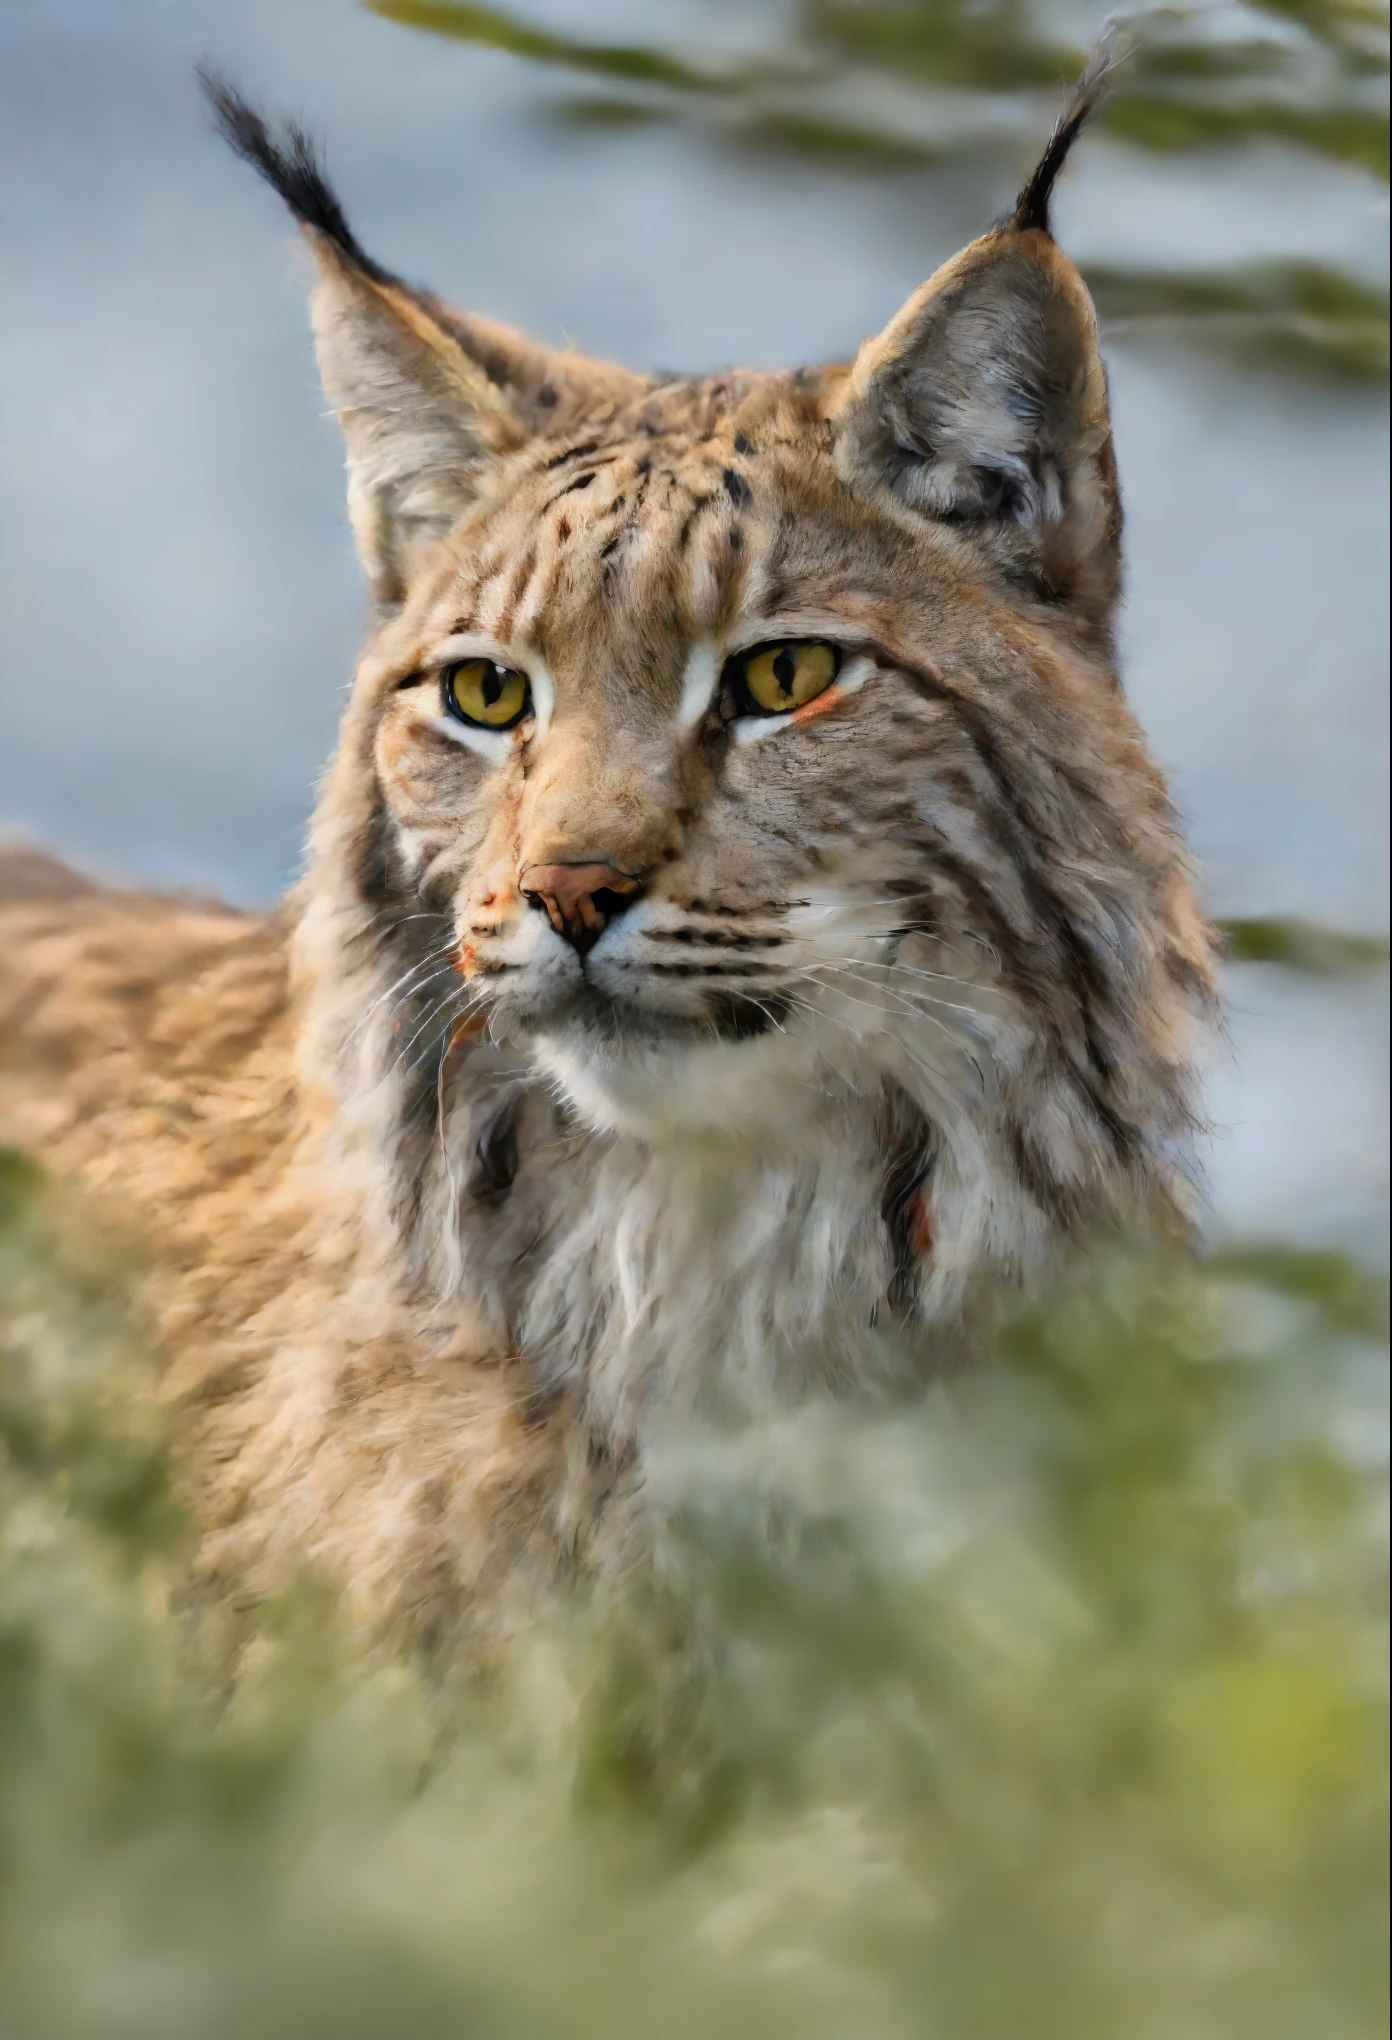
{"points": [[494, 697], [777, 678]]}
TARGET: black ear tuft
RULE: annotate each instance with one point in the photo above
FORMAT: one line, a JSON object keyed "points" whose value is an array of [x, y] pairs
{"points": [[290, 165], [1032, 206]]}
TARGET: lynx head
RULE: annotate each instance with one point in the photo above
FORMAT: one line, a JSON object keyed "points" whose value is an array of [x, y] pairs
{"points": [[756, 739]]}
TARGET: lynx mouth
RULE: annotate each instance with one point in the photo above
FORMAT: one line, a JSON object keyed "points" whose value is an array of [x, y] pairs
{"points": [[586, 1014]]}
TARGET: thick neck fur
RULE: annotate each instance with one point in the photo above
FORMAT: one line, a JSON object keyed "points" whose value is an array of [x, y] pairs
{"points": [[745, 1223]]}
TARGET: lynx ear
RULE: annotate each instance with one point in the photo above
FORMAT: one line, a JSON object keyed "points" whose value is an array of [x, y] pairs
{"points": [[984, 402], [422, 420]]}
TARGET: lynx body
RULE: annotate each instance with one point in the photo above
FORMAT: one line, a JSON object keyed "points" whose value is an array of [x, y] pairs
{"points": [[742, 928]]}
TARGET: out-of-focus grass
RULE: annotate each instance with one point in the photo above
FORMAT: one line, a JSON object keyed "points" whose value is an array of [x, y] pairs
{"points": [[1293, 315], [1051, 1705], [1303, 946], [870, 86]]}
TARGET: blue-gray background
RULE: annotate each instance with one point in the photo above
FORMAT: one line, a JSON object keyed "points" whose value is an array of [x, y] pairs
{"points": [[178, 596]]}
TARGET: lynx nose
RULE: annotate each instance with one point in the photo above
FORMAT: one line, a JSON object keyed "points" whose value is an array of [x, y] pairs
{"points": [[580, 899]]}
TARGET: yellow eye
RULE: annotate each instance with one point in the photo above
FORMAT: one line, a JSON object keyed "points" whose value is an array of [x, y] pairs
{"points": [[477, 691], [778, 678]]}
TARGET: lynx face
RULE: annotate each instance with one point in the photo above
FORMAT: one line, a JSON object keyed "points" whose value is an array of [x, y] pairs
{"points": [[750, 748], [679, 892], [688, 897]]}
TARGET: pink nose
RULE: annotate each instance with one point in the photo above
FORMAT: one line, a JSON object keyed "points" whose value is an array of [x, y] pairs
{"points": [[580, 899]]}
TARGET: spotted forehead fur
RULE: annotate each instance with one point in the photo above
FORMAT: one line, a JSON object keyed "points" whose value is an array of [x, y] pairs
{"points": [[668, 515]]}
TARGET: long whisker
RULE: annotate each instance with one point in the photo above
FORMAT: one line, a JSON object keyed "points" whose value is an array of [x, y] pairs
{"points": [[861, 967], [855, 964], [772, 1018], [931, 893], [905, 997], [434, 956], [442, 1011], [419, 991], [836, 1020], [917, 1011], [464, 995], [443, 969], [387, 923]]}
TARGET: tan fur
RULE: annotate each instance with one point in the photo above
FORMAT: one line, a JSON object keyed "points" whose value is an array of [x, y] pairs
{"points": [[147, 1051], [446, 1217]]}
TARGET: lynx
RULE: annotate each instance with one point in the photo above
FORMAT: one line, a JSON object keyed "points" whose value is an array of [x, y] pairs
{"points": [[743, 929]]}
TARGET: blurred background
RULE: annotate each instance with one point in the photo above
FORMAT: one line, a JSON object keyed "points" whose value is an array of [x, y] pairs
{"points": [[679, 184]]}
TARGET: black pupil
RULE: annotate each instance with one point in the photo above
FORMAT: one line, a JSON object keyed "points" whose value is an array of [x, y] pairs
{"points": [[785, 670], [492, 686]]}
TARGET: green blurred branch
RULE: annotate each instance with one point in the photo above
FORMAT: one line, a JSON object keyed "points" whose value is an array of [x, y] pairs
{"points": [[490, 28], [1305, 82], [1290, 314], [861, 85], [1304, 946]]}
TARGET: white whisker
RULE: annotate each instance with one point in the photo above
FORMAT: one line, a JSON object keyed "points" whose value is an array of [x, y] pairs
{"points": [[908, 970], [907, 1004], [435, 956], [442, 1006]]}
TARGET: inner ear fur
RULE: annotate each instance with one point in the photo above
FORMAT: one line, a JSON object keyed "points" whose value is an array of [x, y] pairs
{"points": [[429, 399], [984, 403], [422, 422]]}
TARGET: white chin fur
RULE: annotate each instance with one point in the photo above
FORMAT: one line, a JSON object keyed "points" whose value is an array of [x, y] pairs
{"points": [[767, 1087]]}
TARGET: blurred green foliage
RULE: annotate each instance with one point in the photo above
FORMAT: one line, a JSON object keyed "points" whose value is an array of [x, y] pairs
{"points": [[1303, 946], [878, 85], [1051, 1705], [1295, 315]]}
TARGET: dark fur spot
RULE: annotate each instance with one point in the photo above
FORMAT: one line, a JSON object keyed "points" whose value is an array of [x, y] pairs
{"points": [[720, 970], [493, 1163], [742, 445], [372, 872], [738, 1017], [517, 588], [1038, 1181], [581, 452], [715, 938], [736, 488], [742, 913], [912, 1152], [689, 521]]}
